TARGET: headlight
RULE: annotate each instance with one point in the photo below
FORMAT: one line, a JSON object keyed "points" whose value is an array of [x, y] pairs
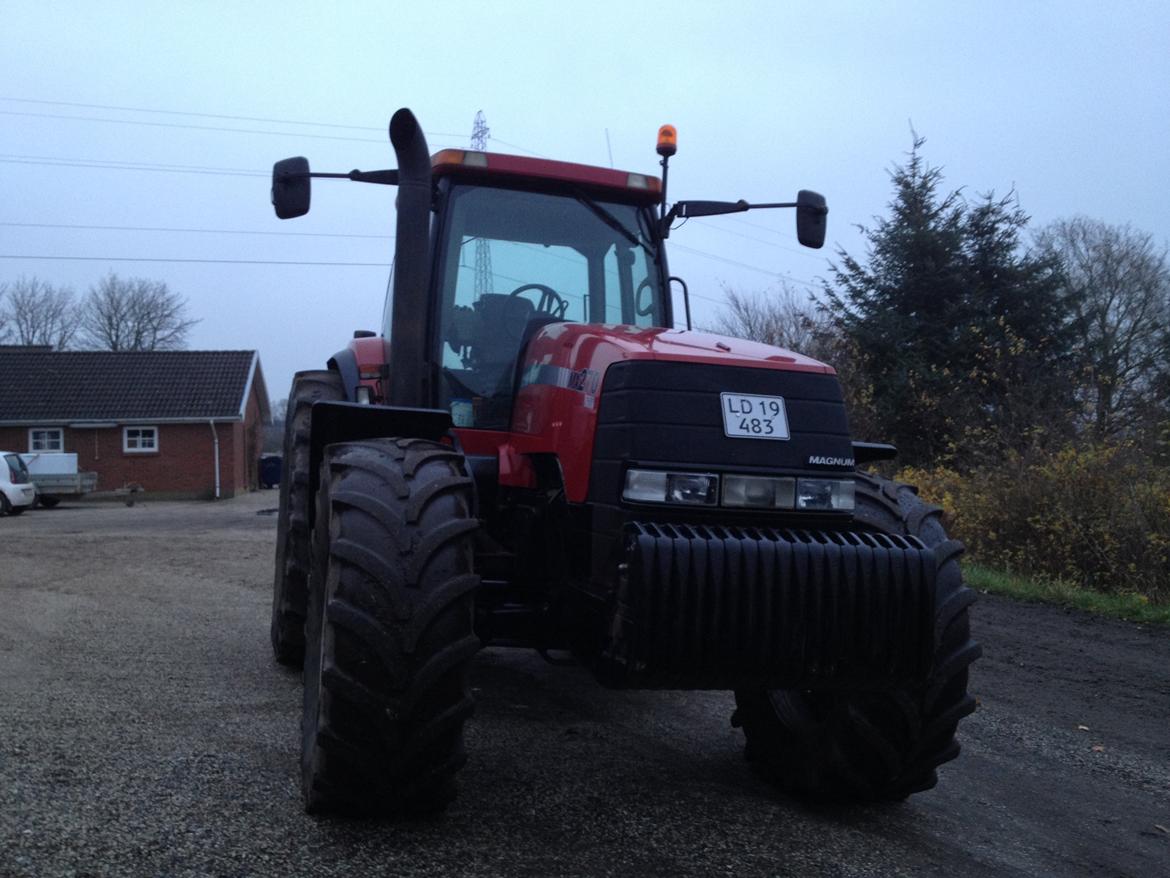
{"points": [[758, 491], [691, 489], [738, 491], [824, 494]]}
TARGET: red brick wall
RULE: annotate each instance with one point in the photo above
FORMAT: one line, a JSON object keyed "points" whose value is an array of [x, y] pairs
{"points": [[252, 442], [184, 463]]}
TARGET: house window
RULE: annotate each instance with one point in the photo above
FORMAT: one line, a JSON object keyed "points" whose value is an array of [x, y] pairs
{"points": [[136, 440], [46, 439]]}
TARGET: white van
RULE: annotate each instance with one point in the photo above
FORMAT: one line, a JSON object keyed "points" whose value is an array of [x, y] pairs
{"points": [[17, 492]]}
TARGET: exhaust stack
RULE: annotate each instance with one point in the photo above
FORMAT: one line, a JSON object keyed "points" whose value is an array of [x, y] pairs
{"points": [[410, 366]]}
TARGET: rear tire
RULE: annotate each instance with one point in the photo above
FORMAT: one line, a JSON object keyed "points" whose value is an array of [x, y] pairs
{"points": [[49, 502], [866, 746], [390, 632], [290, 585]]}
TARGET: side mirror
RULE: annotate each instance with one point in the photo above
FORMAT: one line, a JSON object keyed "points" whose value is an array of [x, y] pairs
{"points": [[290, 187], [810, 218]]}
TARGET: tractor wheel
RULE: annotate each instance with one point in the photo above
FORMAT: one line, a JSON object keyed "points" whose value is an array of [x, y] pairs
{"points": [[290, 589], [866, 746], [390, 636], [48, 501]]}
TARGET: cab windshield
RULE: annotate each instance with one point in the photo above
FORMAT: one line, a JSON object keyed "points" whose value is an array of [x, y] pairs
{"points": [[515, 261]]}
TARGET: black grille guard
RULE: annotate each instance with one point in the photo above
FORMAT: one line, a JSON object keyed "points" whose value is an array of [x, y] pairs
{"points": [[728, 607]]}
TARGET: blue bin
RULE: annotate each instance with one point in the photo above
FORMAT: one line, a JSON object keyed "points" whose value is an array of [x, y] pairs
{"points": [[270, 469]]}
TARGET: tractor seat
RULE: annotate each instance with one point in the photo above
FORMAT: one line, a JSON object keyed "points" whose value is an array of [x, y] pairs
{"points": [[500, 328]]}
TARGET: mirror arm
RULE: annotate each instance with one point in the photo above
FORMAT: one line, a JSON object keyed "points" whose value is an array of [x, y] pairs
{"points": [[772, 204], [810, 206], [386, 178], [816, 211]]}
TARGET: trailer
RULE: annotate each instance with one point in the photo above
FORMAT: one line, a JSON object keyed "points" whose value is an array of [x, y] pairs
{"points": [[56, 477]]}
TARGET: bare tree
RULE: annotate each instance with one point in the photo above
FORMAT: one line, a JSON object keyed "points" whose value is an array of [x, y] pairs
{"points": [[274, 431], [777, 318], [1117, 284], [134, 314], [35, 312]]}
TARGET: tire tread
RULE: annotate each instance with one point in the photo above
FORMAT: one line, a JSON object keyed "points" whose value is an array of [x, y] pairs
{"points": [[386, 693], [863, 746]]}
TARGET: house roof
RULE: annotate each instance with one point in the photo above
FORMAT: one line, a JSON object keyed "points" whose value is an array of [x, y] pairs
{"points": [[42, 386]]}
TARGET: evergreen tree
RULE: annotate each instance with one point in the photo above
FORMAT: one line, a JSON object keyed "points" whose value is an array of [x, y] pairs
{"points": [[1016, 345], [959, 332]]}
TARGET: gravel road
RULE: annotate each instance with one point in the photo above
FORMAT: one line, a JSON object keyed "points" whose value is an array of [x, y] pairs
{"points": [[146, 731]]}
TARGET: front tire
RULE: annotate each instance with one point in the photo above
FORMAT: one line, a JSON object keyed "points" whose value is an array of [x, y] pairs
{"points": [[390, 634], [290, 585], [866, 746]]}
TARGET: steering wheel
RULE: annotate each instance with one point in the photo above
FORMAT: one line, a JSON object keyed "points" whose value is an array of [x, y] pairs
{"points": [[639, 309], [551, 302]]}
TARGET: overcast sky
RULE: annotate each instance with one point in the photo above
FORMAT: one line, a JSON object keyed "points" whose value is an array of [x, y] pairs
{"points": [[138, 137]]}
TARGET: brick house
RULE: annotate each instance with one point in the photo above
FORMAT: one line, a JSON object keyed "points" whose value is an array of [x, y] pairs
{"points": [[177, 423]]}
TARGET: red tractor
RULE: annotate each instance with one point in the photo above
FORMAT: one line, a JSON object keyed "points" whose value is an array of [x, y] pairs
{"points": [[531, 455]]}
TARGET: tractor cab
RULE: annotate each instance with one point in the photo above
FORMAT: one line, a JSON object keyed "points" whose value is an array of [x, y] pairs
{"points": [[491, 248], [516, 249]]}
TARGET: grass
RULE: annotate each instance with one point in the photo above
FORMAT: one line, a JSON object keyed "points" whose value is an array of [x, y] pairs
{"points": [[1131, 607]]}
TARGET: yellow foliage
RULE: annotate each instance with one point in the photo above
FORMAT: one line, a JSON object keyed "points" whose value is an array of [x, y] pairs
{"points": [[1097, 516]]}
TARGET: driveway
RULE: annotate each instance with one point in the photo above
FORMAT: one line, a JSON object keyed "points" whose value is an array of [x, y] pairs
{"points": [[145, 730]]}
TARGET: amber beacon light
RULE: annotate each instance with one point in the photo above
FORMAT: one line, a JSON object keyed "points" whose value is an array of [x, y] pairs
{"points": [[667, 140]]}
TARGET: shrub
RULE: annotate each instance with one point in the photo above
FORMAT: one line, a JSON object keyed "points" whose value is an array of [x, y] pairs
{"points": [[1096, 516]]}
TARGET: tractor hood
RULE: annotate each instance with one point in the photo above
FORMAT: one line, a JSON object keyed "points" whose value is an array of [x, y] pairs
{"points": [[595, 347], [655, 396]]}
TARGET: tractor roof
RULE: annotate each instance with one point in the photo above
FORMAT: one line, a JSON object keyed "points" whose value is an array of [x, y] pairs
{"points": [[640, 187]]}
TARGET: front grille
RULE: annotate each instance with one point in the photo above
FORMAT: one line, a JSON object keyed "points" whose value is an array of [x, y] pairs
{"points": [[721, 607], [663, 414]]}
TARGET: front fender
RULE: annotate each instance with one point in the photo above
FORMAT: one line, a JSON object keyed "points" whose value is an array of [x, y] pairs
{"points": [[332, 422], [345, 364]]}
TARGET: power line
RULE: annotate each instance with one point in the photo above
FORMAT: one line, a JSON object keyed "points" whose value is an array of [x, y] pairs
{"points": [[186, 126], [241, 172], [165, 229], [73, 158], [383, 265], [56, 159], [716, 225], [199, 261], [674, 246], [228, 117], [192, 114], [240, 262], [539, 155], [194, 231], [219, 128], [100, 165], [736, 262]]}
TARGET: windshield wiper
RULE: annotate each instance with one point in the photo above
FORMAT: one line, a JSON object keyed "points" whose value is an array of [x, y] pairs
{"points": [[612, 221]]}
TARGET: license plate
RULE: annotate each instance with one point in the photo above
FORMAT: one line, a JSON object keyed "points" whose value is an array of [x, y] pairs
{"points": [[754, 417]]}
